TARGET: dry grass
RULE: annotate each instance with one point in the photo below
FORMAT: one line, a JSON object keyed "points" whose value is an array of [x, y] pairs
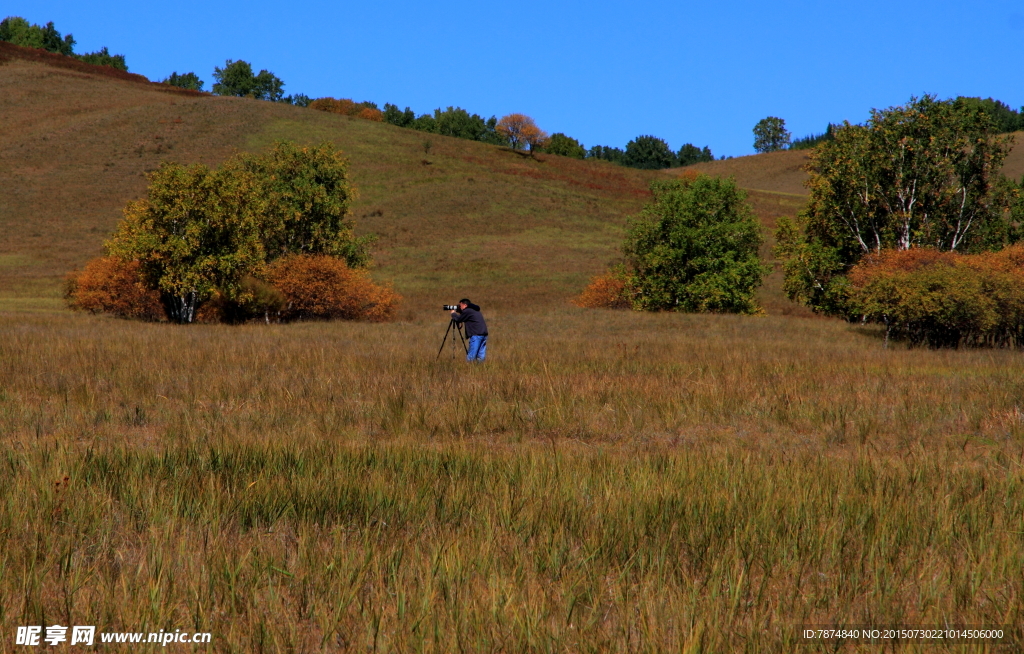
{"points": [[606, 482]]}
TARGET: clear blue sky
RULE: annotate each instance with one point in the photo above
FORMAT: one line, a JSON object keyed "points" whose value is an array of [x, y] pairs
{"points": [[603, 72]]}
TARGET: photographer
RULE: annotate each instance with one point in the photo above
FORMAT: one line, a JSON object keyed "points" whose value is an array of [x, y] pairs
{"points": [[468, 314]]}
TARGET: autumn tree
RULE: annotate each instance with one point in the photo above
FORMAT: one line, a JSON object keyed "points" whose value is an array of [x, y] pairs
{"points": [[920, 175], [201, 232], [770, 135], [520, 129]]}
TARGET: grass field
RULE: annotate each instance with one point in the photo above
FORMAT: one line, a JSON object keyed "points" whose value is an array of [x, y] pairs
{"points": [[606, 482]]}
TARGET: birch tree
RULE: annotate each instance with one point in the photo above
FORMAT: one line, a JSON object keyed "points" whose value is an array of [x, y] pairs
{"points": [[921, 175]]}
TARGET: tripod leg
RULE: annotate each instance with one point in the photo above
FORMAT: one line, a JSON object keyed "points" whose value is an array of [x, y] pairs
{"points": [[465, 346], [450, 323]]}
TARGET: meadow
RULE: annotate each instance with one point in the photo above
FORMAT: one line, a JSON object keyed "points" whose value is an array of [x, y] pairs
{"points": [[605, 482]]}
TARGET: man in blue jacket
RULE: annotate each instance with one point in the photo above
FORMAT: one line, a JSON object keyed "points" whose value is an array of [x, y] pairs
{"points": [[468, 315]]}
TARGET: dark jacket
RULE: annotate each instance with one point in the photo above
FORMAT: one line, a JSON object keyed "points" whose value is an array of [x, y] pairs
{"points": [[472, 319]]}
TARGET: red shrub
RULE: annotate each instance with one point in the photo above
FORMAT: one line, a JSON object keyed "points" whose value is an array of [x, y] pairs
{"points": [[114, 286]]}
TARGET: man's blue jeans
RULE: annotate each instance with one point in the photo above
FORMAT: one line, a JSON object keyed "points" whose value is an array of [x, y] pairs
{"points": [[477, 348]]}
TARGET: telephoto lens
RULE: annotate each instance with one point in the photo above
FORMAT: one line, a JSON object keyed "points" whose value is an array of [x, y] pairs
{"points": [[451, 307]]}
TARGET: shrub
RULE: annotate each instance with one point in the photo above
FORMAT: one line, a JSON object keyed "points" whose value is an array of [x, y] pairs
{"points": [[346, 107], [943, 299], [115, 286], [324, 287], [695, 248], [607, 291], [368, 113]]}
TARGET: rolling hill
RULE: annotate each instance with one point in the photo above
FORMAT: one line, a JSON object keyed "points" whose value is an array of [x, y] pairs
{"points": [[453, 217]]}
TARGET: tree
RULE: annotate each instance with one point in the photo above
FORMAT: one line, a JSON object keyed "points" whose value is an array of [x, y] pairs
{"points": [[565, 146], [694, 248], [920, 175], [520, 129], [237, 79], [102, 57], [649, 152], [394, 116], [201, 231], [17, 30], [308, 197], [457, 122], [606, 153], [690, 154], [185, 81], [770, 135]]}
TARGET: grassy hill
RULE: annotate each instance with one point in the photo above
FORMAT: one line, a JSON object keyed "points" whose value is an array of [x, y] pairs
{"points": [[454, 217]]}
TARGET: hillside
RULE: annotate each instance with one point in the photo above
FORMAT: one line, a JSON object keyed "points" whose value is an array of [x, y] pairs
{"points": [[454, 217]]}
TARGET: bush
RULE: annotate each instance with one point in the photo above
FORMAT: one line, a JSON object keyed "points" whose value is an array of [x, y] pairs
{"points": [[695, 248], [115, 286], [943, 299], [607, 291], [324, 287], [346, 107]]}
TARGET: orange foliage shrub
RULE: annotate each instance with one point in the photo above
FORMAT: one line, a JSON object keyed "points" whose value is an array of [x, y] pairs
{"points": [[943, 299], [344, 107], [607, 291], [325, 287], [369, 113], [347, 107], [114, 286]]}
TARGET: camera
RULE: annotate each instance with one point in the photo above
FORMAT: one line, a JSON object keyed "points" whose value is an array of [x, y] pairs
{"points": [[451, 307]]}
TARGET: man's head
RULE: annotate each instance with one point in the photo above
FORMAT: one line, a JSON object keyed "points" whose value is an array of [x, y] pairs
{"points": [[463, 303]]}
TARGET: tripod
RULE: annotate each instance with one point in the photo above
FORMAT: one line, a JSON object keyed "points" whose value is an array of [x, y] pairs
{"points": [[458, 328]]}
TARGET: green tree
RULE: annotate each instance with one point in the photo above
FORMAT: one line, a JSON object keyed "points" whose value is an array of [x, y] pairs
{"points": [[102, 57], [185, 81], [650, 153], [457, 122], [770, 135], [1003, 117], [17, 30], [200, 231], [694, 248], [308, 197], [565, 146], [690, 154], [920, 175], [606, 153], [395, 116], [237, 79]]}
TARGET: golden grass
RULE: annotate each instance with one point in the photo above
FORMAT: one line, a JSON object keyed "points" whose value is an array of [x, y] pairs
{"points": [[607, 481]]}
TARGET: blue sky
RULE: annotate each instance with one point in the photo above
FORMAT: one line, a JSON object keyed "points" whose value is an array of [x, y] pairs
{"points": [[602, 72]]}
